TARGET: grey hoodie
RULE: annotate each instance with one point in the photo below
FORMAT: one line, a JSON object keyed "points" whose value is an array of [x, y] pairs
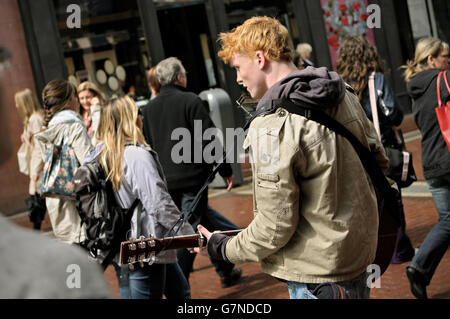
{"points": [[316, 87], [143, 178]]}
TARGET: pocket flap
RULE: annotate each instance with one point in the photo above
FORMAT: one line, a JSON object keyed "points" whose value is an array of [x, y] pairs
{"points": [[268, 177]]}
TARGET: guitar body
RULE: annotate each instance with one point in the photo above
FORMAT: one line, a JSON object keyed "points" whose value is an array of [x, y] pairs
{"points": [[389, 217]]}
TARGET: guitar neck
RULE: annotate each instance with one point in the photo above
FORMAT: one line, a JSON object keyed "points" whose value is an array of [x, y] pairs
{"points": [[145, 248], [191, 241]]}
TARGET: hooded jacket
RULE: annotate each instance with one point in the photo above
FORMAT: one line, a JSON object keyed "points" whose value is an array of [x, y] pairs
{"points": [[315, 208], [422, 89], [62, 212]]}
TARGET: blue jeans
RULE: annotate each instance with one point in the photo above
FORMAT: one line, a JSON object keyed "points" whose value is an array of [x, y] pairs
{"points": [[151, 282], [356, 288], [437, 240], [209, 218]]}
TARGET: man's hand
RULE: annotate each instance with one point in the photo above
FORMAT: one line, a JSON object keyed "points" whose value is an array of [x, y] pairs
{"points": [[229, 182], [203, 251]]}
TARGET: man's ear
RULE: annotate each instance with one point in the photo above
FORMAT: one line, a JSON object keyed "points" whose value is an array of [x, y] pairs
{"points": [[178, 80], [260, 59]]}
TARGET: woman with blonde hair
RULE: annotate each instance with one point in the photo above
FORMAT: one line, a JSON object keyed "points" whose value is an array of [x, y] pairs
{"points": [[421, 75], [63, 126], [31, 112], [135, 173], [91, 101], [304, 50]]}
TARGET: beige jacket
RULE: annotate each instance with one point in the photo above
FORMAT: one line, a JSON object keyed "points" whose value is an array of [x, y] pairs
{"points": [[62, 212], [33, 126], [315, 209]]}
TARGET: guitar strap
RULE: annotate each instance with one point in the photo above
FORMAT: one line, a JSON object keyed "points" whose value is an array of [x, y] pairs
{"points": [[266, 109], [367, 159]]}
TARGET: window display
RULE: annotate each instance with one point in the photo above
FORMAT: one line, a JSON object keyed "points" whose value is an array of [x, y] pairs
{"points": [[108, 48]]}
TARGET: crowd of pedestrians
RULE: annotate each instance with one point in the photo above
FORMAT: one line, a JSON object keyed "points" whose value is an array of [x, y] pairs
{"points": [[309, 229]]}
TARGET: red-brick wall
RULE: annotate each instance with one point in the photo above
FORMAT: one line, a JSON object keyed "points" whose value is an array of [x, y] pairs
{"points": [[13, 184]]}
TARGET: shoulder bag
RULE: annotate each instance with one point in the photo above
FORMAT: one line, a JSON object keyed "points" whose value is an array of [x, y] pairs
{"points": [[443, 111], [401, 168], [59, 169]]}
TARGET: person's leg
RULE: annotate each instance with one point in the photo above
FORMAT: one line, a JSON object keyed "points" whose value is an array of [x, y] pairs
{"points": [[147, 282], [218, 221], [223, 268], [437, 240], [177, 286], [184, 199], [185, 261], [357, 288], [122, 278], [298, 290], [404, 251], [213, 220]]}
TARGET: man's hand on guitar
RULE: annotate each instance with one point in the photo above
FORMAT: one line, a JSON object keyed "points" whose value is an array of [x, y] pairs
{"points": [[202, 251], [216, 243]]}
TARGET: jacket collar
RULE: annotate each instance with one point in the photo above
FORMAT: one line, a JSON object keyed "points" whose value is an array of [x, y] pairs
{"points": [[171, 88]]}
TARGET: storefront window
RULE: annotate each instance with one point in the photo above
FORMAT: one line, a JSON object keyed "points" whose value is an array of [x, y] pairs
{"points": [[107, 48]]}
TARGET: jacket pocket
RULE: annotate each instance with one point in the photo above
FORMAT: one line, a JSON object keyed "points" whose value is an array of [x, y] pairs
{"points": [[269, 181]]}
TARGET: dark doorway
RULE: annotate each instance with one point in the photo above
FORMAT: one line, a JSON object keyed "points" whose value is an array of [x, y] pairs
{"points": [[185, 35]]}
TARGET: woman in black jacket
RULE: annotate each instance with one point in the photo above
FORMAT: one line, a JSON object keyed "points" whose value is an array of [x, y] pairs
{"points": [[431, 57]]}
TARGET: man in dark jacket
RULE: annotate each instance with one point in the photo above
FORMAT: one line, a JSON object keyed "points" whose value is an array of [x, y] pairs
{"points": [[174, 124]]}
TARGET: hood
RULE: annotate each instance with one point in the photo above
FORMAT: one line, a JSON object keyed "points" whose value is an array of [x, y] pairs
{"points": [[93, 153], [316, 87], [53, 128], [420, 83]]}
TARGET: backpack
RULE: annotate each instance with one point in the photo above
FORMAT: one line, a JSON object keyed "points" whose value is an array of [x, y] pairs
{"points": [[106, 222]]}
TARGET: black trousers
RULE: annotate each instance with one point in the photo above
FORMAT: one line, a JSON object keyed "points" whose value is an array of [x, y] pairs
{"points": [[206, 216]]}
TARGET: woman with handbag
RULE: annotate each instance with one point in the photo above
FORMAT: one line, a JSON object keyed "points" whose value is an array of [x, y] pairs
{"points": [[30, 161], [135, 173], [422, 76], [64, 129], [91, 101], [359, 63]]}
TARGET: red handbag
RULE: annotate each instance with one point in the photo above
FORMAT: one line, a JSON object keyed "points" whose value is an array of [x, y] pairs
{"points": [[443, 111]]}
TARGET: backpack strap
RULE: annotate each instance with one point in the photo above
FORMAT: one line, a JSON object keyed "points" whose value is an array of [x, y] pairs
{"points": [[367, 159]]}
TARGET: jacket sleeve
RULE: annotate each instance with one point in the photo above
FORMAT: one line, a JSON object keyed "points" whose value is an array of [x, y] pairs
{"points": [[149, 187], [388, 102], [276, 213], [36, 162], [80, 141]]}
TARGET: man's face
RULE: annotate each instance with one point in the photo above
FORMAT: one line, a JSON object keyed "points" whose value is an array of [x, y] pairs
{"points": [[249, 74]]}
